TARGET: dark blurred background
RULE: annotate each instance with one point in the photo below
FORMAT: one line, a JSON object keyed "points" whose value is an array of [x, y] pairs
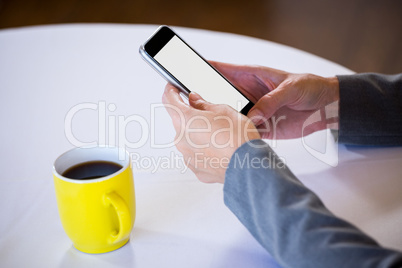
{"points": [[363, 35]]}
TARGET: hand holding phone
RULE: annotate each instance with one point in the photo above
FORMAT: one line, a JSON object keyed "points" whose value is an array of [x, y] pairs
{"points": [[182, 66]]}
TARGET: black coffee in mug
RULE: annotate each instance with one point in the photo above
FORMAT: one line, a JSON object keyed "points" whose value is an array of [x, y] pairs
{"points": [[91, 170]]}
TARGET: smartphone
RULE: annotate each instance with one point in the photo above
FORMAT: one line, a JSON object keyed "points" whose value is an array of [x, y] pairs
{"points": [[183, 67]]}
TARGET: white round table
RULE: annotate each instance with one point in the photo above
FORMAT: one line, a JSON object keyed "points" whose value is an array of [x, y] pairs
{"points": [[67, 85]]}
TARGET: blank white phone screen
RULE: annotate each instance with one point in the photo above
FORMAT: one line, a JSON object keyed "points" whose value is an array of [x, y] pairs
{"points": [[196, 75]]}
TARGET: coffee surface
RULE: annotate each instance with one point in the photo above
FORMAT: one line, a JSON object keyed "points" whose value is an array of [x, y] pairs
{"points": [[91, 170]]}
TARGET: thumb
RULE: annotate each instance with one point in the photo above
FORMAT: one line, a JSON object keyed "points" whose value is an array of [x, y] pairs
{"points": [[268, 104], [198, 102]]}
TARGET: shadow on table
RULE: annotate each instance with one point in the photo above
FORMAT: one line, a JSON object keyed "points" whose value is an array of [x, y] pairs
{"points": [[155, 249], [146, 248], [250, 254], [122, 257], [364, 189], [375, 176]]}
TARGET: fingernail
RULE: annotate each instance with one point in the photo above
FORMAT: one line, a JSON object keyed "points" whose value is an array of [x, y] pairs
{"points": [[256, 116]]}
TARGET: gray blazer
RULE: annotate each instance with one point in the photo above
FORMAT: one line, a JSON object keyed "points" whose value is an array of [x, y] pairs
{"points": [[287, 218]]}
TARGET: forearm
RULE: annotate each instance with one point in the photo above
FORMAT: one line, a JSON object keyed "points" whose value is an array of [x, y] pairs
{"points": [[370, 109], [289, 220]]}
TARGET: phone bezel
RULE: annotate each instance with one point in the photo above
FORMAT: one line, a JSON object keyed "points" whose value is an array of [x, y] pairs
{"points": [[157, 41]]}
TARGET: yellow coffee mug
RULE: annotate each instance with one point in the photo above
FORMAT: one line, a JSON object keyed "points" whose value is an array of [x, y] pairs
{"points": [[97, 214]]}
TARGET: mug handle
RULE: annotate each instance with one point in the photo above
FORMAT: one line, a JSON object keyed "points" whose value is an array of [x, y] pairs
{"points": [[123, 214]]}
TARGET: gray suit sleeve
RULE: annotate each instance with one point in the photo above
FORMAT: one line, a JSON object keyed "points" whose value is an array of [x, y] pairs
{"points": [[289, 220], [370, 109]]}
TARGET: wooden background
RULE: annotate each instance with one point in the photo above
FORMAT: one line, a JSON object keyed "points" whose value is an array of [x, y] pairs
{"points": [[363, 35]]}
